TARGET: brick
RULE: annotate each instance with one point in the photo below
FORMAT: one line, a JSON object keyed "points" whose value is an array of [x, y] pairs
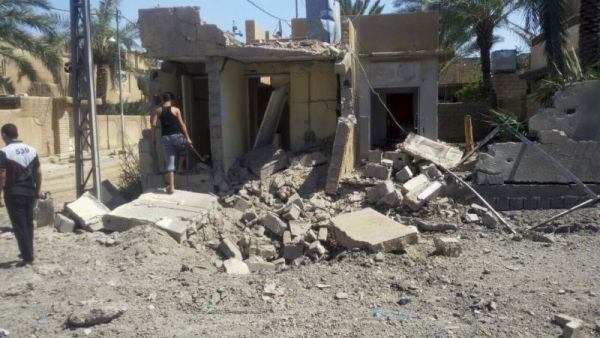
{"points": [[322, 236], [274, 224], [404, 174], [229, 249], [377, 192], [417, 197], [415, 183], [375, 156], [391, 200], [292, 213]]}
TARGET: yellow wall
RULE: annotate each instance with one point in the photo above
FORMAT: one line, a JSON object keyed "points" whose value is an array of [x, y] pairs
{"points": [[234, 112], [313, 97], [109, 130]]}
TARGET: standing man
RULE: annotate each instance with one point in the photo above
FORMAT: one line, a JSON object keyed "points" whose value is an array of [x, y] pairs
{"points": [[175, 137], [21, 181]]}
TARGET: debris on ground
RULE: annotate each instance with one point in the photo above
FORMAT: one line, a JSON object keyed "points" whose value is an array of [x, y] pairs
{"points": [[94, 316]]}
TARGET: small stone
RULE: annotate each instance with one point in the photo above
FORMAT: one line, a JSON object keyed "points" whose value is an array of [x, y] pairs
{"points": [[236, 267], [572, 328], [489, 220], [341, 295], [472, 218], [94, 316], [492, 306], [323, 286], [322, 236], [447, 246], [404, 301], [379, 257]]}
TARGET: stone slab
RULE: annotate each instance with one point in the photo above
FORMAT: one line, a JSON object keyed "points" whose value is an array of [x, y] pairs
{"points": [[437, 152], [64, 224], [368, 229]]}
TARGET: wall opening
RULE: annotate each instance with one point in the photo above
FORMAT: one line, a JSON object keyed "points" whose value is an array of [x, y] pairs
{"points": [[403, 104], [261, 88], [196, 115]]}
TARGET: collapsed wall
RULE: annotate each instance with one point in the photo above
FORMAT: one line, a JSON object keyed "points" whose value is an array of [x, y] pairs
{"points": [[516, 176]]}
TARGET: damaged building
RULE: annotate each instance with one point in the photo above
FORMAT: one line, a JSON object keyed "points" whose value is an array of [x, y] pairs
{"points": [[238, 97]]}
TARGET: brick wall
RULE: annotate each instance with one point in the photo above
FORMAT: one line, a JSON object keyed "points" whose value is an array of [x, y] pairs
{"points": [[451, 121]]}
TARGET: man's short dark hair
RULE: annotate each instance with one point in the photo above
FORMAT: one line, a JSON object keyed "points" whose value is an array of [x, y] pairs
{"points": [[10, 130], [168, 96]]}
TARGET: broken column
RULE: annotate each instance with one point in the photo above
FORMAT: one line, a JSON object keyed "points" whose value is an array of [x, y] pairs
{"points": [[343, 154]]}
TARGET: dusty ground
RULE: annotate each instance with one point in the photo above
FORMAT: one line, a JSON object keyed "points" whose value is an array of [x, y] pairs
{"points": [[170, 290]]}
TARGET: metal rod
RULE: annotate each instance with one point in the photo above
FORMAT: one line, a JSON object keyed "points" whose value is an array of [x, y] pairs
{"points": [[120, 83], [89, 63], [566, 212], [489, 206], [479, 145]]}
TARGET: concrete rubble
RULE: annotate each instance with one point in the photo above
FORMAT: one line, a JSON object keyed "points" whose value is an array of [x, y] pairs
{"points": [[88, 212]]}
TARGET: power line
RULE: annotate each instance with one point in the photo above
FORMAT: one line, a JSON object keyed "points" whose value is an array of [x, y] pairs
{"points": [[67, 11], [269, 13]]}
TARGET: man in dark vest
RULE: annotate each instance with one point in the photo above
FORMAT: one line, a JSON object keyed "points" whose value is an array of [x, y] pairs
{"points": [[21, 182]]}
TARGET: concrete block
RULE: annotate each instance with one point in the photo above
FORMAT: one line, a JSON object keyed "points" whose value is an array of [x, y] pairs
{"points": [[322, 235], [447, 246], [572, 329], [417, 197], [292, 213], [287, 237], [293, 251], [472, 218], [391, 200], [274, 224], [44, 211], [249, 216], [369, 229], [375, 156], [299, 228], [404, 174], [437, 152], [388, 163], [176, 228], [241, 204], [415, 183], [431, 171], [552, 136], [378, 171], [377, 192], [63, 224], [236, 267], [311, 236], [399, 159], [257, 264], [264, 250], [88, 212], [229, 249], [562, 319]]}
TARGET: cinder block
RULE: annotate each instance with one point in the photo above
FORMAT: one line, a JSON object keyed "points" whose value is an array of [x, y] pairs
{"points": [[375, 156], [404, 174], [378, 171], [377, 192]]}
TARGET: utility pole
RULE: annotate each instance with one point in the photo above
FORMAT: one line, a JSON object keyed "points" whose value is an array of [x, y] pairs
{"points": [[82, 87], [296, 9], [120, 84]]}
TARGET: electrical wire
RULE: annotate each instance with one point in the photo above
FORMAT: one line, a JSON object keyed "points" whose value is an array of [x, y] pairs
{"points": [[269, 13], [67, 11]]}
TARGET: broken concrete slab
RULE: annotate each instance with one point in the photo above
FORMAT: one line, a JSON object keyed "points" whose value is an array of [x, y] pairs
{"points": [[241, 204], [271, 117], [380, 190], [111, 197], [368, 229], [378, 171], [88, 212], [257, 264], [176, 228], [447, 246], [437, 152], [262, 249], [274, 224], [415, 183], [229, 249], [64, 224], [264, 162], [236, 267], [398, 159], [552, 136], [292, 213], [343, 154], [571, 326], [313, 159], [184, 210]]}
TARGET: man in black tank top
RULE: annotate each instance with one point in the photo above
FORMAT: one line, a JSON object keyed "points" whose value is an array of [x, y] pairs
{"points": [[174, 136]]}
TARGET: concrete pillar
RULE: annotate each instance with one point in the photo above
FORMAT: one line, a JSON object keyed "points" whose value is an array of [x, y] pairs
{"points": [[215, 113]]}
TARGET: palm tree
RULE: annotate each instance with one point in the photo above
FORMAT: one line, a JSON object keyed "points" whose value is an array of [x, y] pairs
{"points": [[549, 17], [17, 19], [361, 7], [589, 34], [104, 49]]}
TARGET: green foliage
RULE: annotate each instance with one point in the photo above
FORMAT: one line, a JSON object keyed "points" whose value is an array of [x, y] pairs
{"points": [[17, 19], [361, 7], [129, 108], [472, 92], [572, 73], [505, 119], [130, 178]]}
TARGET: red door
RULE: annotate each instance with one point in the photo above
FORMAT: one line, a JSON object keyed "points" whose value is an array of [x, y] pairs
{"points": [[402, 107]]}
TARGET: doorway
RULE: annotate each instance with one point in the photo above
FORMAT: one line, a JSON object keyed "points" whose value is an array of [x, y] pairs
{"points": [[196, 117], [403, 106]]}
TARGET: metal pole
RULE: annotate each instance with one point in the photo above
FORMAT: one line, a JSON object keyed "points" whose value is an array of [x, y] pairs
{"points": [[75, 82], [296, 9], [89, 62], [120, 84]]}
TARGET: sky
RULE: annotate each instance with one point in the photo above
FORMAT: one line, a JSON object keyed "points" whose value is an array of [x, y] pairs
{"points": [[224, 12]]}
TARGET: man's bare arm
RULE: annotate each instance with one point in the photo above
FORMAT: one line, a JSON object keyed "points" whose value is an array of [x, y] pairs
{"points": [[38, 185]]}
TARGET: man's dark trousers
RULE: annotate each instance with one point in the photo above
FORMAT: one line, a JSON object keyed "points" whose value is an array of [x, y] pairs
{"points": [[20, 211]]}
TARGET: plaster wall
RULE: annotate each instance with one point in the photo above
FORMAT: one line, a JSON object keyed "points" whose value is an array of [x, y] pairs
{"points": [[419, 75]]}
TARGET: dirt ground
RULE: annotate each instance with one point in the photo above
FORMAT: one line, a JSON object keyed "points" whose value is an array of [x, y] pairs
{"points": [[498, 287]]}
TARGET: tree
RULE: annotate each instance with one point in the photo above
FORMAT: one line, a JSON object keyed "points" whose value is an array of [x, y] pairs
{"points": [[17, 19], [361, 7], [589, 34], [549, 17], [104, 49]]}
